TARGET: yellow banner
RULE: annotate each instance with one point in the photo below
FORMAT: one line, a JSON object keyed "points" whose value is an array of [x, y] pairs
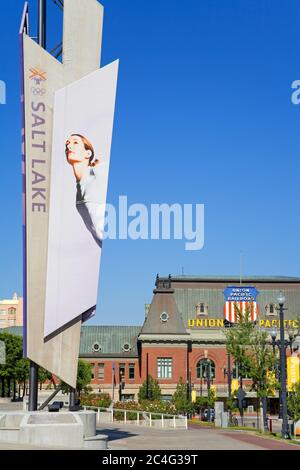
{"points": [[293, 375], [193, 396], [234, 385], [271, 381]]}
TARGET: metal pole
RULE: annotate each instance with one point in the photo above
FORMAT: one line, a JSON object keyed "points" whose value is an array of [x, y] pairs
{"points": [[33, 387], [229, 374], [113, 382], [208, 388], [285, 432], [72, 399], [241, 403], [147, 376], [42, 24]]}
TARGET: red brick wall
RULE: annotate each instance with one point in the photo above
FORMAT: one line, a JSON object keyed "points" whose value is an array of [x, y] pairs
{"points": [[179, 361]]}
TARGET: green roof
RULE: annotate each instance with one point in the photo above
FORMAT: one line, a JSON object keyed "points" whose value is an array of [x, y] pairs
{"points": [[235, 279], [111, 339], [13, 330], [188, 298]]}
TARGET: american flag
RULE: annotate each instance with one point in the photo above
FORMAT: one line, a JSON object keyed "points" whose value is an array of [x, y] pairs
{"points": [[231, 313]]}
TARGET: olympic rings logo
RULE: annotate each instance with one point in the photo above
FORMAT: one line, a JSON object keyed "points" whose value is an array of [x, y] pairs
{"points": [[38, 91]]}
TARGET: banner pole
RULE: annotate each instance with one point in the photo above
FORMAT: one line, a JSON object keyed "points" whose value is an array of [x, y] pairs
{"points": [[33, 387], [33, 379], [42, 23]]}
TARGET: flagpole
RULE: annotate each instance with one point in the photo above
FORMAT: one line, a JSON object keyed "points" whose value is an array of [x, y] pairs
{"points": [[113, 382], [241, 259]]}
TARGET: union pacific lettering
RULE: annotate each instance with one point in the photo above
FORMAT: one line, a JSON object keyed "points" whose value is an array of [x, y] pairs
{"points": [[219, 323]]}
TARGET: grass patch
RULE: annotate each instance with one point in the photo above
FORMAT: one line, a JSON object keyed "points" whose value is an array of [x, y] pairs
{"points": [[201, 423]]}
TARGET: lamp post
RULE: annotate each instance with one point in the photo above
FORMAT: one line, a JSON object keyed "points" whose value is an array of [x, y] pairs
{"points": [[282, 344], [228, 372], [208, 377]]}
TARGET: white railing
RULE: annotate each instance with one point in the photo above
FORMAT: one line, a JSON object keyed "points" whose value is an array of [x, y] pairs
{"points": [[142, 418]]}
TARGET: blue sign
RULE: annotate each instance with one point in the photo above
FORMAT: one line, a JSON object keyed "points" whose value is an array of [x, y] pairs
{"points": [[240, 294]]}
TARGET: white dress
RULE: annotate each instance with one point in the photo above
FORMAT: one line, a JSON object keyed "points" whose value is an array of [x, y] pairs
{"points": [[91, 198]]}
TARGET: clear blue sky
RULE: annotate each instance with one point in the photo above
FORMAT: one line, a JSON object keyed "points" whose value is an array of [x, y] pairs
{"points": [[203, 115]]}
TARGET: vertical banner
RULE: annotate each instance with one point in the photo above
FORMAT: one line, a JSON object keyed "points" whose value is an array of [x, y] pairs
{"points": [[234, 385], [293, 375], [41, 76], [272, 382], [82, 133]]}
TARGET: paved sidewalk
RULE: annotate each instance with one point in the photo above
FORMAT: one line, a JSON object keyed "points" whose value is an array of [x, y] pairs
{"points": [[132, 437]]}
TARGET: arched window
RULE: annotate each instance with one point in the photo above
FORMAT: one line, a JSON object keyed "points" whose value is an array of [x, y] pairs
{"points": [[206, 368], [271, 309], [201, 309]]}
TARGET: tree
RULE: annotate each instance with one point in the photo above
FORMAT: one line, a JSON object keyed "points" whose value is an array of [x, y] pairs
{"points": [[262, 362], [205, 402], [43, 376], [180, 398], [253, 355], [238, 341], [8, 371], [149, 390], [84, 377], [294, 402], [22, 373]]}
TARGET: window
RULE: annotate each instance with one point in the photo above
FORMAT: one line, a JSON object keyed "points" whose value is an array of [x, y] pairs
{"points": [[3, 312], [206, 368], [93, 370], [164, 368], [201, 309], [166, 397], [122, 370], [96, 347], [164, 317], [126, 347], [12, 311], [271, 309], [131, 371], [127, 397], [101, 371]]}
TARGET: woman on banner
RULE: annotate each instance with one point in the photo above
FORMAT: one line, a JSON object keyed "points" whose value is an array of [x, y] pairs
{"points": [[88, 172]]}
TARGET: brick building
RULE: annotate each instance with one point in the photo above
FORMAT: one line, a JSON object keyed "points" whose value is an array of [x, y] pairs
{"points": [[182, 328], [11, 312]]}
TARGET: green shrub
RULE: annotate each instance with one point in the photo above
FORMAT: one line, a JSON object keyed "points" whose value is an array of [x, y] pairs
{"points": [[100, 400], [158, 406]]}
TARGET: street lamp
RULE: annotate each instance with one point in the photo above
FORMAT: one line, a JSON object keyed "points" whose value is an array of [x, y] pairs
{"points": [[207, 376], [282, 344], [229, 373]]}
